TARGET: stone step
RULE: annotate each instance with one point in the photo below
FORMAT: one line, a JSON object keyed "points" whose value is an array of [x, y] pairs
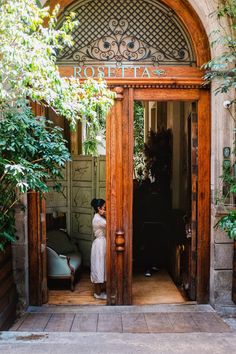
{"points": [[187, 307], [194, 319]]}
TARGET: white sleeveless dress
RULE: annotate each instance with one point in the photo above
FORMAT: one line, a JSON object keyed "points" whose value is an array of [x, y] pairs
{"points": [[98, 251]]}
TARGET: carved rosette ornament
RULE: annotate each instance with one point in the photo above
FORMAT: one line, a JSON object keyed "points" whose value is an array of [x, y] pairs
{"points": [[119, 90]]}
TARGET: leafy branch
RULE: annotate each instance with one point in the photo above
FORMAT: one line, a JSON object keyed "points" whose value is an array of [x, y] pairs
{"points": [[28, 55], [32, 150]]}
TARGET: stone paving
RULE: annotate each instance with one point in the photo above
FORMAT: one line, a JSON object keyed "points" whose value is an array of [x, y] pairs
{"points": [[164, 329], [117, 343]]}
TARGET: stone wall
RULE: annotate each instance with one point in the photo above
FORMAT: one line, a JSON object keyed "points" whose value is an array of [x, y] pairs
{"points": [[221, 268], [221, 135]]}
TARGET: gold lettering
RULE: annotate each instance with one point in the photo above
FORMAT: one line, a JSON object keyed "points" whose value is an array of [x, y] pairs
{"points": [[135, 70], [89, 68], [111, 71], [146, 73], [77, 71], [123, 71], [101, 71]]}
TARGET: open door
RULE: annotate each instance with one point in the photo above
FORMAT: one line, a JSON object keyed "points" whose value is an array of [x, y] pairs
{"points": [[38, 290], [191, 219], [37, 250], [120, 188]]}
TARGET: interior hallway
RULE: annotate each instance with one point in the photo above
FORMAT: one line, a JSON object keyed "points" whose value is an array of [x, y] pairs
{"points": [[157, 289]]}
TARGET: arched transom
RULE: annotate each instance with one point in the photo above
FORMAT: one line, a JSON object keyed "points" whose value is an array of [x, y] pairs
{"points": [[127, 31]]}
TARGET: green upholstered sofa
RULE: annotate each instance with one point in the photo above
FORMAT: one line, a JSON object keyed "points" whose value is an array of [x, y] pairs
{"points": [[63, 257]]}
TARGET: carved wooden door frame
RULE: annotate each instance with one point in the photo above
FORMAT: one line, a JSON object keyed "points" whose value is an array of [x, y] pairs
{"points": [[119, 186]]}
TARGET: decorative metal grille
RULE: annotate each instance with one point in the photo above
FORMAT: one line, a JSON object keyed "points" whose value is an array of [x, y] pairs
{"points": [[124, 31]]}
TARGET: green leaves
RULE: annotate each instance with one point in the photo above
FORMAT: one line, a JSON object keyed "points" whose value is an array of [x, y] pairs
{"points": [[221, 69], [32, 150], [228, 8], [139, 164], [228, 224], [28, 62]]}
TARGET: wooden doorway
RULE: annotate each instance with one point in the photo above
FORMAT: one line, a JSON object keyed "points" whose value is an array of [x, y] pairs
{"points": [[135, 80], [164, 202], [120, 189]]}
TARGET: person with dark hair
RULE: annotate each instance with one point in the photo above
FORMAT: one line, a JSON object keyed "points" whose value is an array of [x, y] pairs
{"points": [[98, 251]]}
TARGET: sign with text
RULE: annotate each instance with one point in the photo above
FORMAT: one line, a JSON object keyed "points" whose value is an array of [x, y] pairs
{"points": [[113, 71]]}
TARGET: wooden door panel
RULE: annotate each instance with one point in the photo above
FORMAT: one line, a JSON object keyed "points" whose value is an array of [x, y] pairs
{"points": [[119, 179], [101, 177], [58, 204], [88, 181], [44, 250], [166, 94], [203, 196], [82, 192], [193, 138], [38, 292]]}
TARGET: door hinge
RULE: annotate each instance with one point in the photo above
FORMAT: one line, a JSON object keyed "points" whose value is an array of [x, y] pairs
{"points": [[95, 165]]}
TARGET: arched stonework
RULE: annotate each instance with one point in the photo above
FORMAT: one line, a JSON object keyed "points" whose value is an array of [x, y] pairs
{"points": [[127, 31]]}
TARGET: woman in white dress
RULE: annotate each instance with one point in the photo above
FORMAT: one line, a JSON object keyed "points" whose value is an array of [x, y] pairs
{"points": [[98, 251]]}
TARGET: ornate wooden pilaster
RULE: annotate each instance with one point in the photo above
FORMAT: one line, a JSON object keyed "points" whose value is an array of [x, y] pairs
{"points": [[119, 199]]}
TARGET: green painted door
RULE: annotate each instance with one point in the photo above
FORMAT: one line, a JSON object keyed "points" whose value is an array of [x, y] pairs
{"points": [[84, 179]]}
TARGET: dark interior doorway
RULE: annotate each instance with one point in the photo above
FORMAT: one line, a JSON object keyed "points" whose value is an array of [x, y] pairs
{"points": [[161, 201]]}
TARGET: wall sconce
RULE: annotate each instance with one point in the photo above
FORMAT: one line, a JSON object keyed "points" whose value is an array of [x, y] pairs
{"points": [[226, 152], [227, 104]]}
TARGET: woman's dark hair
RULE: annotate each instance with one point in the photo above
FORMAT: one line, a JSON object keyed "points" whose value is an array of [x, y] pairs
{"points": [[97, 203]]}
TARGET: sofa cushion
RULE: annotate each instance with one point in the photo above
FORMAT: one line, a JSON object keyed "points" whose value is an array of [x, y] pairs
{"points": [[57, 266], [60, 242]]}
